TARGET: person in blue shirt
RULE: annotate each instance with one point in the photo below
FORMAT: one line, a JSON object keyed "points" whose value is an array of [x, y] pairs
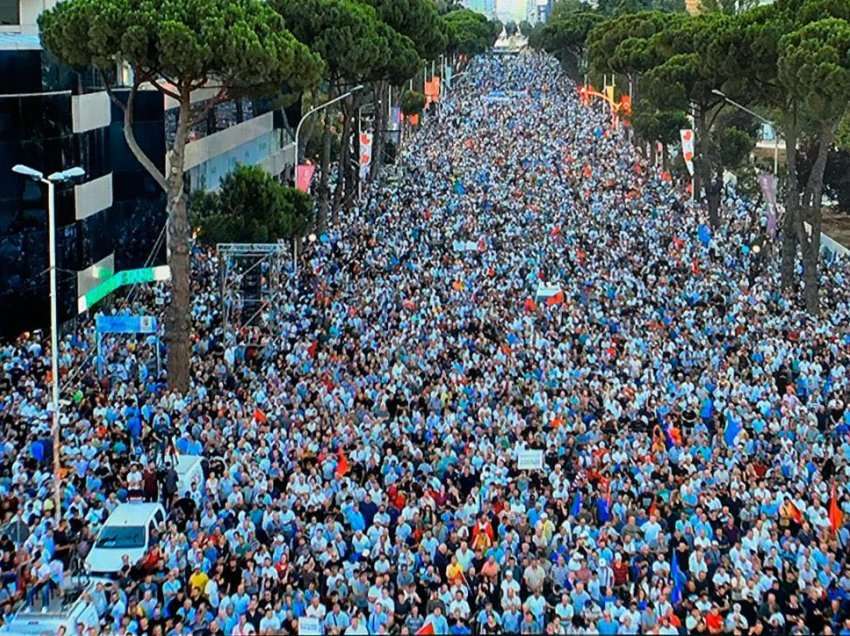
{"points": [[511, 619], [337, 619], [530, 625], [378, 618], [459, 628], [437, 621], [607, 625]]}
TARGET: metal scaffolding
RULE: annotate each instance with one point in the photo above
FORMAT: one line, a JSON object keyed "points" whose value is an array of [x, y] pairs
{"points": [[250, 274]]}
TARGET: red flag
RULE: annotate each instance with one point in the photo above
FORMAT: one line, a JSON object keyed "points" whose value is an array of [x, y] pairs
{"points": [[794, 512], [313, 349], [530, 305], [342, 466], [259, 416], [426, 630], [555, 299], [836, 516]]}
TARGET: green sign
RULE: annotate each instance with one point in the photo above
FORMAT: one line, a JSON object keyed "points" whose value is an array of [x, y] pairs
{"points": [[120, 279]]}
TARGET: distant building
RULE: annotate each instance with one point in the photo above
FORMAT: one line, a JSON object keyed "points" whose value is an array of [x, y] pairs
{"points": [[542, 10]]}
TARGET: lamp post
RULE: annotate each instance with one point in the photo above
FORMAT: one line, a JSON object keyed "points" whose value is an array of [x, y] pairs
{"points": [[51, 181], [314, 110], [764, 120]]}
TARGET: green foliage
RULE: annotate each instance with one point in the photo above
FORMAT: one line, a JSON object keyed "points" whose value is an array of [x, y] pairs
{"points": [[525, 28], [657, 125], [729, 7], [623, 7], [470, 33], [355, 45], [814, 67], [565, 37], [250, 207], [418, 20], [412, 102], [536, 39], [511, 28], [842, 134], [243, 44], [624, 44], [564, 8]]}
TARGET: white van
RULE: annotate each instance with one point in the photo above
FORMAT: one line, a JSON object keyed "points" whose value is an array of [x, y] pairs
{"points": [[76, 608], [126, 531], [190, 474]]}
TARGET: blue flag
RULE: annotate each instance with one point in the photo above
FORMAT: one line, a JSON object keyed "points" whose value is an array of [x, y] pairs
{"points": [[733, 427], [678, 580], [575, 509], [704, 234]]}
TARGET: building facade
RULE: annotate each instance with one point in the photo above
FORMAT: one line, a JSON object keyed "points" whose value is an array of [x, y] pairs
{"points": [[53, 118]]}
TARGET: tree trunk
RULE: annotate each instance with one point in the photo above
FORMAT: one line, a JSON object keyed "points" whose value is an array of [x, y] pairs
{"points": [[352, 165], [792, 204], [665, 159], [240, 114], [653, 154], [714, 188], [324, 189], [810, 240], [178, 322], [702, 169], [789, 248], [810, 276], [344, 145], [380, 132]]}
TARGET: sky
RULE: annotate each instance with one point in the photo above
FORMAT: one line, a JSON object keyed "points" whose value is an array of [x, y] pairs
{"points": [[514, 7]]}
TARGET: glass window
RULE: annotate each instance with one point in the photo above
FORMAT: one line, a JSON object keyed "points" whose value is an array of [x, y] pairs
{"points": [[10, 12], [122, 537]]}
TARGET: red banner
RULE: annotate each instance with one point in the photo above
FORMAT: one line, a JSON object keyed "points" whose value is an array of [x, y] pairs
{"points": [[303, 176]]}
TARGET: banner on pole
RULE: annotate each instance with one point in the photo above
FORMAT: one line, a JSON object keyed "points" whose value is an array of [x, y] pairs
{"points": [[395, 118], [687, 137], [767, 182], [365, 154], [303, 176], [124, 324]]}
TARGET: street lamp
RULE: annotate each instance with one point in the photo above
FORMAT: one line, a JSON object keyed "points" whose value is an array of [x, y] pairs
{"points": [[51, 181], [316, 109], [764, 120]]}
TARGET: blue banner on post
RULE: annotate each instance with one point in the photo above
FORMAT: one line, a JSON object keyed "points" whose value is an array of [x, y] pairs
{"points": [[125, 324]]}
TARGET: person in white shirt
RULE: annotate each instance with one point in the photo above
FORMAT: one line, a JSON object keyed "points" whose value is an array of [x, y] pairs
{"points": [[459, 606], [316, 609]]}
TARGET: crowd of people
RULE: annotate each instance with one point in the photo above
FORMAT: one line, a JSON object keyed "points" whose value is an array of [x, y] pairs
{"points": [[529, 283]]}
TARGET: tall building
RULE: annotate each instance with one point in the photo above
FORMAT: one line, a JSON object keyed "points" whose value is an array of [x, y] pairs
{"points": [[52, 118], [543, 9]]}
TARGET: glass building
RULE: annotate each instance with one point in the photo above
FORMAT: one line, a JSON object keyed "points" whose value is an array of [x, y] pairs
{"points": [[52, 118]]}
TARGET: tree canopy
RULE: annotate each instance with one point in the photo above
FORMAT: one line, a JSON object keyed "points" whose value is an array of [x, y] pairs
{"points": [[251, 206], [418, 20], [470, 33]]}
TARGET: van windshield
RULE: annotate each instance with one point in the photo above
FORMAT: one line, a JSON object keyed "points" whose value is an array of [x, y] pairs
{"points": [[122, 537]]}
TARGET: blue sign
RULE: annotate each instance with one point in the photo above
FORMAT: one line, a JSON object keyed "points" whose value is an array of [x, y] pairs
{"points": [[125, 324]]}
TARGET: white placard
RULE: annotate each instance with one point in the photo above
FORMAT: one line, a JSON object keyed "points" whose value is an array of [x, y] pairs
{"points": [[309, 626], [529, 459]]}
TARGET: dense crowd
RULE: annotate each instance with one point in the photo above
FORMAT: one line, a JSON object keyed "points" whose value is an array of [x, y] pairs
{"points": [[364, 441]]}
